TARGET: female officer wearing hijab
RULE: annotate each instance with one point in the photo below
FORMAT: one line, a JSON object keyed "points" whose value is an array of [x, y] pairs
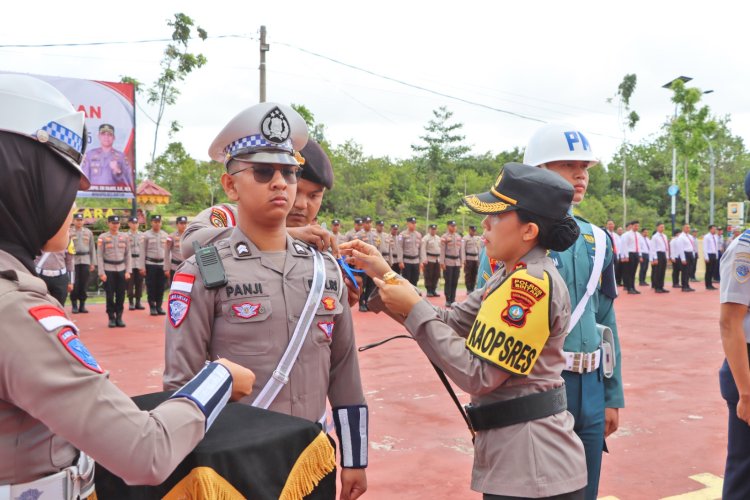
{"points": [[56, 402]]}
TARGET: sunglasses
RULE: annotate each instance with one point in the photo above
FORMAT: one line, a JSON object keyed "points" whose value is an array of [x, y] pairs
{"points": [[264, 173]]}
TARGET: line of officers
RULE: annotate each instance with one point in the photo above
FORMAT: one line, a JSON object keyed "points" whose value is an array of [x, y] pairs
{"points": [[633, 248], [123, 260], [410, 254]]}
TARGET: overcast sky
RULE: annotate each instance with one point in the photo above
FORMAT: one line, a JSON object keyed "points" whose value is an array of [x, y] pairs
{"points": [[551, 61]]}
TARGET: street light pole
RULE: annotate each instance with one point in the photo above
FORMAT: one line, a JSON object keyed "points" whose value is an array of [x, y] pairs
{"points": [[712, 162], [672, 188]]}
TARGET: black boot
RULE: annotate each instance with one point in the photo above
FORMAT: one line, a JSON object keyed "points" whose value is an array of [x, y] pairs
{"points": [[131, 305], [75, 306], [152, 306], [112, 323], [82, 308], [159, 310], [119, 321], [138, 305]]}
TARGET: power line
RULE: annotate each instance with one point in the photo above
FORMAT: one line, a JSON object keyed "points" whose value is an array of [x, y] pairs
{"points": [[113, 42]]}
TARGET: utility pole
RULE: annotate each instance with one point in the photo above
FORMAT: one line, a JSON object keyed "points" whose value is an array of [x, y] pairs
{"points": [[263, 49]]}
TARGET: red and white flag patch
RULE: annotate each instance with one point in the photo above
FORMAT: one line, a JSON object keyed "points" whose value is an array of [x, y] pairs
{"points": [[183, 282], [51, 317]]}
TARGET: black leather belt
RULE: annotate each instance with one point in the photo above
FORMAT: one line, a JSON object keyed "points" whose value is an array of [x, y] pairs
{"points": [[515, 411], [472, 254], [411, 256], [82, 253], [114, 262], [433, 254], [176, 262], [451, 256], [155, 261], [135, 255]]}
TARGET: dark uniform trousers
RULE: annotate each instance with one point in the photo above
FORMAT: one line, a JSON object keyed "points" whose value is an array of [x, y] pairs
{"points": [[57, 286], [688, 269], [737, 472], [155, 284], [135, 285], [644, 269], [618, 270], [368, 285], [81, 284], [717, 276], [676, 270], [115, 289], [395, 267], [628, 275], [470, 274], [710, 269], [658, 271], [693, 265], [431, 276], [411, 273], [450, 275]]}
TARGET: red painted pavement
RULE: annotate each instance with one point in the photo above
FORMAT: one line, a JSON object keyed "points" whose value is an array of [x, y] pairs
{"points": [[674, 425]]}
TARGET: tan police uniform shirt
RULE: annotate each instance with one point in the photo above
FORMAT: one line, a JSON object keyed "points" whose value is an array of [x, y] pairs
{"points": [[370, 237], [56, 263], [85, 245], [340, 238], [152, 253], [44, 387], [450, 249], [173, 252], [470, 247], [539, 458], [113, 251], [136, 247], [381, 241], [392, 256], [410, 242], [430, 251], [251, 320], [351, 234]]}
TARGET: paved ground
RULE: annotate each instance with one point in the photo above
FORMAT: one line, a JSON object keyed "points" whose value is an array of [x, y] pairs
{"points": [[674, 426]]}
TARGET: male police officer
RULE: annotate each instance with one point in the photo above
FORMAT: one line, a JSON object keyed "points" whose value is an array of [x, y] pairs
{"points": [[393, 255], [83, 262], [172, 249], [135, 283], [353, 232], [734, 376], [660, 255], [336, 231], [105, 165], [450, 261], [152, 259], [470, 248], [430, 258], [281, 301], [115, 264], [593, 385], [55, 269], [410, 241]]}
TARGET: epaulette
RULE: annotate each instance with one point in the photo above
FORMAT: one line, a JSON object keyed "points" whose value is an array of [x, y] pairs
{"points": [[535, 269], [745, 237]]}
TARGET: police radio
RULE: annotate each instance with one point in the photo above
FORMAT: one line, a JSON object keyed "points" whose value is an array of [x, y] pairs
{"points": [[210, 266]]}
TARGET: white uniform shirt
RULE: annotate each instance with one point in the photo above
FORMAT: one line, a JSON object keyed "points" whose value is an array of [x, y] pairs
{"points": [[644, 245], [676, 248], [631, 242], [710, 245], [660, 243], [615, 242], [734, 286]]}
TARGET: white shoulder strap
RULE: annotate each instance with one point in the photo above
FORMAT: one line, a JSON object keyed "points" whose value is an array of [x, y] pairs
{"points": [[40, 264], [280, 376], [600, 242]]}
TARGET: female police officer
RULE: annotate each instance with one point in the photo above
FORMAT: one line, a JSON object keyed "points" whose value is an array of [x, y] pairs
{"points": [[55, 399], [503, 345]]}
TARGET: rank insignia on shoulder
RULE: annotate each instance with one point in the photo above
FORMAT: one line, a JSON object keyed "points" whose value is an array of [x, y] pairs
{"points": [[327, 327], [179, 305], [300, 249], [246, 310], [75, 347], [329, 303], [589, 238], [242, 249]]}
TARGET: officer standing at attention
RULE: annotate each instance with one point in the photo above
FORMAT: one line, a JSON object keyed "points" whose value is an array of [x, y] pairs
{"points": [[615, 237], [369, 236], [152, 259], [660, 255], [734, 376], [336, 230], [282, 300], [430, 258], [135, 283], [710, 256], [83, 262], [55, 269], [106, 165], [410, 241], [450, 261], [381, 238], [58, 408], [115, 263], [172, 250], [353, 232], [471, 245], [393, 256], [593, 371], [631, 251], [504, 346], [645, 246]]}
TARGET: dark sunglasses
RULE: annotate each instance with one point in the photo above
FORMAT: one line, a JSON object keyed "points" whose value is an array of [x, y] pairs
{"points": [[264, 173]]}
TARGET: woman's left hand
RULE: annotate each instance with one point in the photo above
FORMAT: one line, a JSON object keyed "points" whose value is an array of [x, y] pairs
{"points": [[399, 298]]}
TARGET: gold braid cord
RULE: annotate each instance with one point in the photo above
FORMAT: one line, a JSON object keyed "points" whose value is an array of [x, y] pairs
{"points": [[483, 207], [203, 482], [313, 464]]}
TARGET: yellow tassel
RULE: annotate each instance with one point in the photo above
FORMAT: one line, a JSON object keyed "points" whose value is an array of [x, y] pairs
{"points": [[203, 482], [313, 464]]}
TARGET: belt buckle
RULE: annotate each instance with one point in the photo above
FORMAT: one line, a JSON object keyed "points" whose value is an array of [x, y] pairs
{"points": [[577, 363]]}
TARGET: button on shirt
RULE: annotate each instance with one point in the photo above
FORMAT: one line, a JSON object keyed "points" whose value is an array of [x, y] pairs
{"points": [[710, 245], [659, 243], [450, 249]]}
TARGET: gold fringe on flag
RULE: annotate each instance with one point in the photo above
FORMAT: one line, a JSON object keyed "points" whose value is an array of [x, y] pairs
{"points": [[313, 464], [202, 483]]}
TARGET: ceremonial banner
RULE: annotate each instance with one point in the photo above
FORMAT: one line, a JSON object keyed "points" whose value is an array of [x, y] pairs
{"points": [[109, 107]]}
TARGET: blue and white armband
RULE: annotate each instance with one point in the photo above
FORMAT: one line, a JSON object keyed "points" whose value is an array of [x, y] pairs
{"points": [[351, 429], [209, 390]]}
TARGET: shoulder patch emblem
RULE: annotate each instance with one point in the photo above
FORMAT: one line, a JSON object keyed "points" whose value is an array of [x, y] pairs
{"points": [[179, 305], [75, 347], [589, 238], [329, 303], [246, 310], [326, 327], [183, 282], [741, 271], [219, 217]]}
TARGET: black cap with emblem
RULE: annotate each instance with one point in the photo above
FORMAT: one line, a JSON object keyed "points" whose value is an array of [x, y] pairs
{"points": [[451, 223], [520, 186], [411, 219], [156, 218], [358, 220], [380, 223], [317, 167], [106, 127], [336, 222], [394, 226], [433, 226], [78, 216], [133, 219], [181, 218], [113, 218]]}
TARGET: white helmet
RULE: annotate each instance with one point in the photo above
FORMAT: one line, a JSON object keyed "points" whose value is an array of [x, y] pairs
{"points": [[35, 109], [558, 142]]}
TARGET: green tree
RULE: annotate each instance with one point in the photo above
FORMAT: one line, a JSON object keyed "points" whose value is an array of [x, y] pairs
{"points": [[628, 120], [315, 130]]}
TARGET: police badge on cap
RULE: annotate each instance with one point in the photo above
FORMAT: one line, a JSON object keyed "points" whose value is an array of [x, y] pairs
{"points": [[275, 126]]}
